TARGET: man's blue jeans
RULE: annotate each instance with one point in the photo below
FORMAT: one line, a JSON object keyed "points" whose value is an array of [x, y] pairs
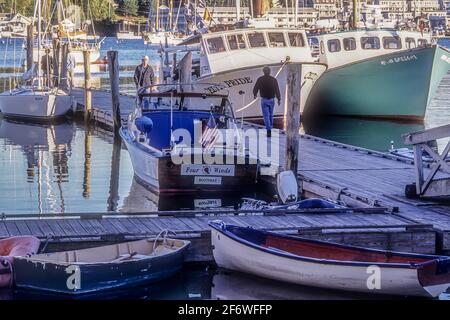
{"points": [[267, 106]]}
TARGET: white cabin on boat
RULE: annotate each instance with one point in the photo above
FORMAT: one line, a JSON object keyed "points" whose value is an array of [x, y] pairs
{"points": [[337, 49], [245, 48]]}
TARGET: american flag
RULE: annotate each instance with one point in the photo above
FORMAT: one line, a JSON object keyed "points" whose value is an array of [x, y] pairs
{"points": [[210, 134]]}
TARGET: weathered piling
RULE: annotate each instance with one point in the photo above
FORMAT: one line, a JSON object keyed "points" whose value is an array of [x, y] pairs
{"points": [[30, 44], [63, 62], [56, 44], [293, 82], [87, 162], [87, 84], [186, 69], [113, 66], [114, 178]]}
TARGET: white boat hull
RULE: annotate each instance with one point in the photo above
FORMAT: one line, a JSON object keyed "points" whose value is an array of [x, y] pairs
{"points": [[244, 80], [231, 254], [35, 105]]}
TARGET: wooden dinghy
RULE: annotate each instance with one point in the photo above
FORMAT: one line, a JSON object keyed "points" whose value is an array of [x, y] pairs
{"points": [[101, 268], [14, 246], [328, 265]]}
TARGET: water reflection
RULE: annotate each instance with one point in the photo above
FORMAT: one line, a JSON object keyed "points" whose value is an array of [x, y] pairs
{"points": [[46, 149], [141, 199], [196, 283], [371, 134]]}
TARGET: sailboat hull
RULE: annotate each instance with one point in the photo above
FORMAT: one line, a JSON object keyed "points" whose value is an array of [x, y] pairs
{"points": [[38, 106]]}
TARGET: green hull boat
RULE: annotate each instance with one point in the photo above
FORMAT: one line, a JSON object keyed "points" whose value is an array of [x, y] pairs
{"points": [[398, 85]]}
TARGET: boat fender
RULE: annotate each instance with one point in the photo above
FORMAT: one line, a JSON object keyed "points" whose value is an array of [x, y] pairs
{"points": [[287, 187], [144, 124]]}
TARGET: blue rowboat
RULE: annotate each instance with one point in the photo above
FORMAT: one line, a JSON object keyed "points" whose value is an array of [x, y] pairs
{"points": [[328, 265], [96, 269]]}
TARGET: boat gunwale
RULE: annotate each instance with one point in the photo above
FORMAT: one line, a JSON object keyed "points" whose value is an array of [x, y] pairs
{"points": [[178, 250], [402, 51], [214, 74], [223, 229]]}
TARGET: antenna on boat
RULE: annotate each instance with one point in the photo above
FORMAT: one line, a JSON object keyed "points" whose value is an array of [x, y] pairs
{"points": [[172, 140]]}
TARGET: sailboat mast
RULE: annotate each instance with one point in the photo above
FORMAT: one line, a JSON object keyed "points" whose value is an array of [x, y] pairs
{"points": [[238, 10], [39, 43]]}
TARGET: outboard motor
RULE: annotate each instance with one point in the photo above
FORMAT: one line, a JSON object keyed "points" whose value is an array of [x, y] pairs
{"points": [[287, 187]]}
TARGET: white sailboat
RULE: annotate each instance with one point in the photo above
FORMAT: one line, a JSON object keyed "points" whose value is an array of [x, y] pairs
{"points": [[36, 102], [163, 35]]}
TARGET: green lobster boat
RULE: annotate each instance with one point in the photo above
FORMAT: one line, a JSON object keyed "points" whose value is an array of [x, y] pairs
{"points": [[378, 74]]}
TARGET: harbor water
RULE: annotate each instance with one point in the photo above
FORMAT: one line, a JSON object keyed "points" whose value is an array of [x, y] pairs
{"points": [[68, 168]]}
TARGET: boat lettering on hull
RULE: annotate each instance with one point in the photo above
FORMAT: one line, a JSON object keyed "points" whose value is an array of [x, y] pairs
{"points": [[208, 180], [399, 59], [229, 84], [206, 170]]}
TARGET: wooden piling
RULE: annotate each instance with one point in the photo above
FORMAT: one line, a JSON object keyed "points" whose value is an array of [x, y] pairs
{"points": [[87, 84], [63, 64], [114, 178], [87, 162], [113, 66], [56, 44], [293, 83], [30, 44]]}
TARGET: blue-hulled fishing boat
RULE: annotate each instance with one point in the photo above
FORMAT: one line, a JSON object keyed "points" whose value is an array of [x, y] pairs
{"points": [[96, 269], [328, 265], [388, 74], [182, 141]]}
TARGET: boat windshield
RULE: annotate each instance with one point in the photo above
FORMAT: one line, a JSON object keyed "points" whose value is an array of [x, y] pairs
{"points": [[164, 97]]}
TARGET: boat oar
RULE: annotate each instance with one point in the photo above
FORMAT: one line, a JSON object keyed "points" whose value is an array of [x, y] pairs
{"points": [[125, 257]]}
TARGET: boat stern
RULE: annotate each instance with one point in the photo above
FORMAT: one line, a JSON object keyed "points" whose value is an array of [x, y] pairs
{"points": [[434, 276]]}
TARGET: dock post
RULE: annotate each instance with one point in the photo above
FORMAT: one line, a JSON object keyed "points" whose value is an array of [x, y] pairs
{"points": [[293, 83], [56, 44], [64, 48], [30, 44], [113, 197], [87, 162], [87, 84], [113, 66]]}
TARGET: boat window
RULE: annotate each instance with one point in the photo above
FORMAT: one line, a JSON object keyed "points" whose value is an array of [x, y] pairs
{"points": [[256, 39], [422, 43], [349, 44], [276, 39], [410, 43], [236, 41], [334, 45], [392, 43], [215, 45], [370, 43], [314, 44], [296, 39]]}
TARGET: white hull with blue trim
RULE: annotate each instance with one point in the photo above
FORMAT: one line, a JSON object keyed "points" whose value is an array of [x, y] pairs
{"points": [[273, 256]]}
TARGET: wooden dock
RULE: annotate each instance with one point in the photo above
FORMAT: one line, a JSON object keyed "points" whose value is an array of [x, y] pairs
{"points": [[372, 182]]}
